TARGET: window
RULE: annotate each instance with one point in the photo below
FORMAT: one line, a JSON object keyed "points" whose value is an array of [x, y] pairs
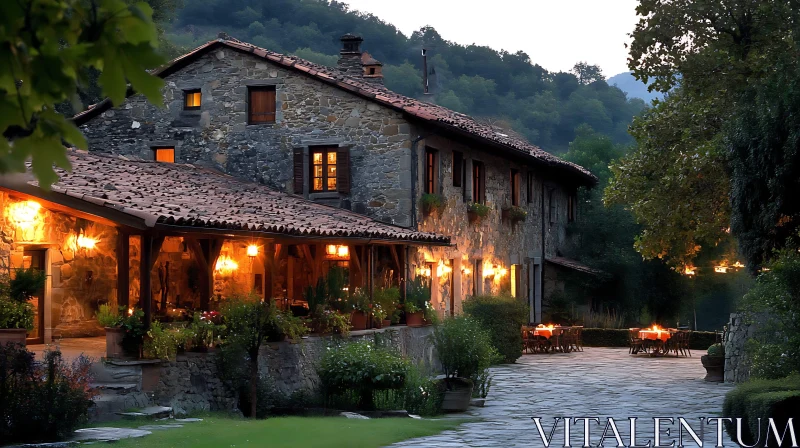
{"points": [[323, 169], [515, 187], [261, 105], [530, 187], [478, 182], [572, 207], [552, 206], [516, 277], [191, 99], [165, 154], [372, 70], [458, 161], [431, 171]]}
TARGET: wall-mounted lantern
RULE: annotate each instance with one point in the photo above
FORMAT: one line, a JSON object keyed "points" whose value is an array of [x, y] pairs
{"points": [[337, 252], [252, 251]]}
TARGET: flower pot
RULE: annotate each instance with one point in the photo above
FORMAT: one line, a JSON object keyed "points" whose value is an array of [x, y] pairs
{"points": [[358, 320], [13, 336], [114, 337], [457, 395], [386, 323], [715, 368], [473, 217], [414, 319]]}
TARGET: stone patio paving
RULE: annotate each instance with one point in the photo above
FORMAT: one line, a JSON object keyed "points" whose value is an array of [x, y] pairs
{"points": [[599, 382]]}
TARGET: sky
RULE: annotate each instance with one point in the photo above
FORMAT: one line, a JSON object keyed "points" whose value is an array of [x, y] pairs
{"points": [[554, 33]]}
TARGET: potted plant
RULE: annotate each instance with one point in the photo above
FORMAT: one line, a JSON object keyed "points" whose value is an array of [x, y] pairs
{"points": [[109, 319], [418, 296], [465, 351], [386, 300], [361, 310], [432, 203], [514, 214], [16, 312], [133, 327], [16, 320], [714, 363], [476, 212]]}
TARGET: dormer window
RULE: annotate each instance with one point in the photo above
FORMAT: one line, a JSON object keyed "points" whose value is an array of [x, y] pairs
{"points": [[191, 99], [164, 154]]}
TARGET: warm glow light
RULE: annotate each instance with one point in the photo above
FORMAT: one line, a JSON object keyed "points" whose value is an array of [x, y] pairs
{"points": [[738, 265], [24, 213], [343, 251], [503, 271], [130, 311], [488, 271], [252, 250], [689, 270], [337, 251], [84, 242], [466, 271], [226, 264], [721, 269], [426, 272]]}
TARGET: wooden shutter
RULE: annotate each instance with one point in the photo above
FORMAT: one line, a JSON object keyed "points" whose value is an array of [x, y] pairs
{"points": [[262, 105], [458, 160], [343, 170], [298, 171]]}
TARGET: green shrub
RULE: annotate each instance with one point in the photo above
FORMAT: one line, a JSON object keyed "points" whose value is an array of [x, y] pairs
{"points": [[107, 316], [15, 314], [41, 401], [516, 214], [26, 283], [162, 343], [764, 399], [503, 317], [133, 324], [464, 348], [361, 368], [716, 350], [478, 209], [775, 303]]}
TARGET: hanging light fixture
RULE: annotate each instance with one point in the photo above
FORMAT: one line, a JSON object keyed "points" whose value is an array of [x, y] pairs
{"points": [[252, 251]]}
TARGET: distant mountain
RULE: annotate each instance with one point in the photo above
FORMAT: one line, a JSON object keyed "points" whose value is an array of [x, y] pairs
{"points": [[634, 88]]}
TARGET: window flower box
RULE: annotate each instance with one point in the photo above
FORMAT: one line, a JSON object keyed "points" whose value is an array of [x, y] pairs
{"points": [[432, 203], [476, 212], [514, 214]]}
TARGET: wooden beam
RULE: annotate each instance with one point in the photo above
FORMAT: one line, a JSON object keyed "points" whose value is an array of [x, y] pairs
{"points": [[123, 268], [212, 249], [145, 263], [314, 270], [269, 270], [396, 258]]}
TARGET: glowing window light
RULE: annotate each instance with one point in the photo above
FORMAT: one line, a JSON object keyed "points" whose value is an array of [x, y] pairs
{"points": [[689, 270], [721, 269], [226, 264], [252, 250], [343, 251], [24, 213], [337, 251]]}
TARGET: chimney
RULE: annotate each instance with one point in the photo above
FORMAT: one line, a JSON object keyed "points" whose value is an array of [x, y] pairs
{"points": [[372, 69], [350, 55], [425, 90]]}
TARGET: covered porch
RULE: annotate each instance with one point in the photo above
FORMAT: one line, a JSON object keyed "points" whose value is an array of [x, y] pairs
{"points": [[175, 239]]}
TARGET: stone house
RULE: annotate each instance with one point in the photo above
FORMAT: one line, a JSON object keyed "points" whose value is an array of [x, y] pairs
{"points": [[337, 136]]}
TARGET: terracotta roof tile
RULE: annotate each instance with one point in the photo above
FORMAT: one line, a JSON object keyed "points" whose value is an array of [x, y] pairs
{"points": [[183, 195], [429, 112]]}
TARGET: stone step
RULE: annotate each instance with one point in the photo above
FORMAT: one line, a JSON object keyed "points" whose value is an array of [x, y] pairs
{"points": [[108, 403], [118, 387], [108, 373], [150, 411]]}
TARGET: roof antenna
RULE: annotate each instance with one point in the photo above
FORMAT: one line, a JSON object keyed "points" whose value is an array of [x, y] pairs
{"points": [[425, 71]]}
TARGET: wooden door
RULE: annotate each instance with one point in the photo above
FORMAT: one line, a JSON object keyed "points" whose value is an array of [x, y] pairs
{"points": [[35, 259]]}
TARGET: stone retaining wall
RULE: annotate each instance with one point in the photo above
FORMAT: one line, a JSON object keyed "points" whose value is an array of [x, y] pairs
{"points": [[192, 383], [737, 365]]}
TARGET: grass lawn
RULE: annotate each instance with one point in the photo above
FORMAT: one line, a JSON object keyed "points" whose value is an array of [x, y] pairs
{"points": [[306, 432]]}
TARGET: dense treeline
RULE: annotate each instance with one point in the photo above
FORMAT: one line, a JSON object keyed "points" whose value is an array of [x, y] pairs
{"points": [[544, 107]]}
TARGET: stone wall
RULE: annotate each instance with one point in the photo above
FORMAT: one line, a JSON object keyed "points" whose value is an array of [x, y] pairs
{"points": [[79, 279], [192, 383], [737, 367], [308, 113]]}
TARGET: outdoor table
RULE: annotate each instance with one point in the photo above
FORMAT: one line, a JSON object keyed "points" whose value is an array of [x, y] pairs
{"points": [[655, 335]]}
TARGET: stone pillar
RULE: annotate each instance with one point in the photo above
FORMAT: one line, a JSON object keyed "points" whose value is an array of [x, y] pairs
{"points": [[457, 292]]}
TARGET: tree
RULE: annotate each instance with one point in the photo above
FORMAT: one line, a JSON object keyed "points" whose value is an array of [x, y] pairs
{"points": [[47, 47], [587, 73], [764, 146], [677, 182]]}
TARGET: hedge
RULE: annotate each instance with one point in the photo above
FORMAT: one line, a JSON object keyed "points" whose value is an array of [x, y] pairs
{"points": [[764, 399], [502, 316], [613, 337]]}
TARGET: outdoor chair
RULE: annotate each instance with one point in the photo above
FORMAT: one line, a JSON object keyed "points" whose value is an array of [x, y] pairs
{"points": [[579, 338], [636, 344], [685, 342]]}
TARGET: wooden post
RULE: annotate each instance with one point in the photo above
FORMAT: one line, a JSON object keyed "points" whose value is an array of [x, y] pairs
{"points": [[371, 279], [269, 268], [145, 263], [123, 268]]}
